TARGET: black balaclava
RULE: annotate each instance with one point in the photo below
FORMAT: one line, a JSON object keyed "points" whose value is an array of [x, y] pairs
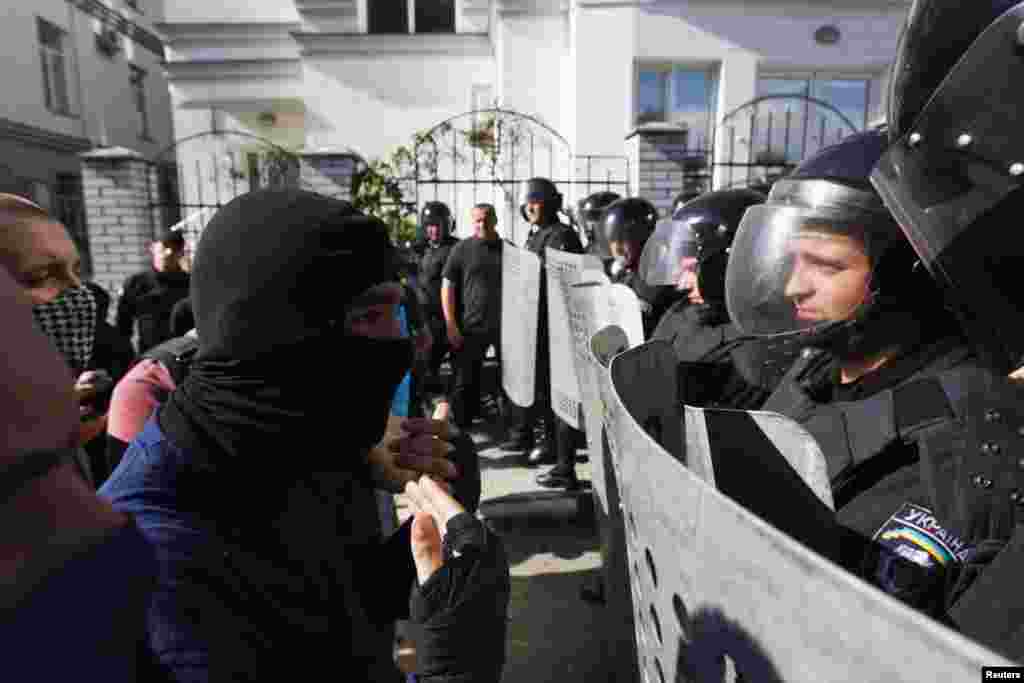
{"points": [[274, 274]]}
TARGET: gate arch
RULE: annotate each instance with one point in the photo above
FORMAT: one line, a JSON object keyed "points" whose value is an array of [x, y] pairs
{"points": [[764, 139], [199, 173], [485, 155]]}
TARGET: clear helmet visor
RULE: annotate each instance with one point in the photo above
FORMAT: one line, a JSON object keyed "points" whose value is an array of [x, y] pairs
{"points": [[670, 255], [595, 228], [794, 269]]}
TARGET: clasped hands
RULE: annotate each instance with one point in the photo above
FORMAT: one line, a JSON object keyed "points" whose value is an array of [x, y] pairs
{"points": [[413, 458]]}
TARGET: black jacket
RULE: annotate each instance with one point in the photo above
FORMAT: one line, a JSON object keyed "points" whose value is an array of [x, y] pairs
{"points": [[654, 301], [713, 371], [148, 298], [932, 428], [428, 282]]}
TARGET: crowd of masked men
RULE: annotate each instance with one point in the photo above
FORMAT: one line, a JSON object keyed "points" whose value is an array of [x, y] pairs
{"points": [[237, 531]]}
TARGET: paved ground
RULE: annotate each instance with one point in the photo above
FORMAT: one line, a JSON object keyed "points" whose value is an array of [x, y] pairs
{"points": [[552, 545]]}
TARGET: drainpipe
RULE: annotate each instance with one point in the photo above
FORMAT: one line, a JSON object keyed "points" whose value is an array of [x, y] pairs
{"points": [[82, 113]]}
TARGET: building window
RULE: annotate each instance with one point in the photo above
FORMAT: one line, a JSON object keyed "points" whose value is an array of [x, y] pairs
{"points": [[411, 16], [434, 16], [681, 96], [803, 127], [51, 55], [138, 81]]}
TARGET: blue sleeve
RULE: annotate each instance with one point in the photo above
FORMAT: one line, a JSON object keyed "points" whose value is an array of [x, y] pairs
{"points": [[400, 403], [143, 485]]}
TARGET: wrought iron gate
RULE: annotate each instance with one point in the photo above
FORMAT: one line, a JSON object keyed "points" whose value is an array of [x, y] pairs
{"points": [[486, 155], [763, 140], [198, 174]]}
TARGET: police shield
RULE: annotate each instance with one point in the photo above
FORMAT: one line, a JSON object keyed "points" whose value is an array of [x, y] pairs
{"points": [[520, 292], [564, 270], [619, 627], [597, 305], [719, 590]]}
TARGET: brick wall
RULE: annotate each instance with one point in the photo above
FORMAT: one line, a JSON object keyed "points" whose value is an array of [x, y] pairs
{"points": [[661, 158], [120, 222]]}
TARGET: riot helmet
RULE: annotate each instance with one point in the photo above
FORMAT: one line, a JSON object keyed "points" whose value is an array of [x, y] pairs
{"points": [[627, 225], [590, 212], [544, 191], [711, 220], [683, 198], [953, 174], [824, 261], [436, 213]]}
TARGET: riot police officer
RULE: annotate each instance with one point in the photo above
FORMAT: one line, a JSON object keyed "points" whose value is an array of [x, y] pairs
{"points": [[590, 213], [722, 369], [628, 224], [953, 178], [902, 407], [554, 440], [434, 244]]}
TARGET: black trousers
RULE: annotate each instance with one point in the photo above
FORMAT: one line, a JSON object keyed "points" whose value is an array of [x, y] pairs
{"points": [[427, 373], [559, 437], [467, 364]]}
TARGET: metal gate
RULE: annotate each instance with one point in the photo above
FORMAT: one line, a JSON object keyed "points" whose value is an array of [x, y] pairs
{"points": [[763, 140], [198, 174], [486, 155]]}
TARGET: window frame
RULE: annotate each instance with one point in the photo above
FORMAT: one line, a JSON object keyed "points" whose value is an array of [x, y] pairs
{"points": [[50, 56], [712, 71], [138, 84], [809, 77], [410, 19]]}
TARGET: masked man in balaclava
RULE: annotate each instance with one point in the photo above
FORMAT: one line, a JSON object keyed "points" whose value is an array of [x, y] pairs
{"points": [[253, 483]]}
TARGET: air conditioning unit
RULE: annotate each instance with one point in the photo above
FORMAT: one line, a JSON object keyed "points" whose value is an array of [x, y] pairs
{"points": [[108, 41]]}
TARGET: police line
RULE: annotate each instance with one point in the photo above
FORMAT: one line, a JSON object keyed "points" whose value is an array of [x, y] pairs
{"points": [[690, 520], [717, 588]]}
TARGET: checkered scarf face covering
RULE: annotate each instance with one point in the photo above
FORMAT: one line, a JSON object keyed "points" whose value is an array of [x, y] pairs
{"points": [[70, 323]]}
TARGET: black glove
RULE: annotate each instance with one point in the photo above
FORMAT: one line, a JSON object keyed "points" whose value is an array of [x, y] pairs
{"points": [[461, 612]]}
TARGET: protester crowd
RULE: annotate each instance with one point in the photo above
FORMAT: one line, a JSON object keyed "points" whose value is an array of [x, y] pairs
{"points": [[158, 533]]}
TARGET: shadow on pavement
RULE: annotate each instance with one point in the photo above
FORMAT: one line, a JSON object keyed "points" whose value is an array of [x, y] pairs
{"points": [[503, 460], [553, 636], [542, 523]]}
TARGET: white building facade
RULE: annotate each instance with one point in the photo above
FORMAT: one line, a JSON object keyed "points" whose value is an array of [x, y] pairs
{"points": [[365, 75], [78, 74]]}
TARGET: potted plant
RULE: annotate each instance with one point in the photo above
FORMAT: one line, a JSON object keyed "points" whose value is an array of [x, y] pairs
{"points": [[482, 135]]}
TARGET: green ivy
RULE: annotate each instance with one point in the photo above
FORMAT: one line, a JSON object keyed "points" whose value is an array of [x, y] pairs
{"points": [[379, 189]]}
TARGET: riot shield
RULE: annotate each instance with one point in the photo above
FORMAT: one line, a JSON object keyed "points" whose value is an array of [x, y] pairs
{"points": [[619, 627], [520, 294], [563, 270], [596, 304], [719, 592]]}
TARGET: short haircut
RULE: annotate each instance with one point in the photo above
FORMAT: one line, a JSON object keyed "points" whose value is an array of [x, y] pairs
{"points": [[16, 209], [489, 209], [16, 212], [172, 239]]}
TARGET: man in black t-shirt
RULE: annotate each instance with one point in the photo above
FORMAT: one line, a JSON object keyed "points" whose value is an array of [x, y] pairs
{"points": [[471, 299]]}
